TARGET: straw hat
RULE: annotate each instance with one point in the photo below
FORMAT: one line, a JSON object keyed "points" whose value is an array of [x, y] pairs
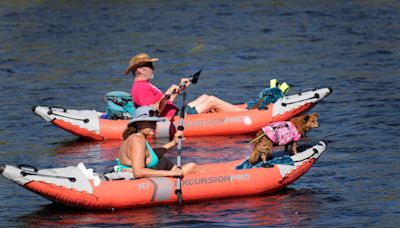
{"points": [[145, 113], [138, 60]]}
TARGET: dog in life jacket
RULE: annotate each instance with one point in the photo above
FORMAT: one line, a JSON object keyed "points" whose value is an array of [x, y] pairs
{"points": [[284, 133]]}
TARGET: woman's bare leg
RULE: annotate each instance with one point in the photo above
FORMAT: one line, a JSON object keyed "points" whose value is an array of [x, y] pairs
{"points": [[192, 168], [217, 105], [198, 100]]}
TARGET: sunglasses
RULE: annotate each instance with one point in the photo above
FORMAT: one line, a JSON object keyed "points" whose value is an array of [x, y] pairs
{"points": [[149, 65], [151, 113], [146, 124]]}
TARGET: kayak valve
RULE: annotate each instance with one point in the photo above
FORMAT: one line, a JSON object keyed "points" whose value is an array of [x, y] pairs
{"points": [[2, 168]]}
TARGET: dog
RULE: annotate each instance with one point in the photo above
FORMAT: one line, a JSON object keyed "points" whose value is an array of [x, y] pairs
{"points": [[285, 133]]}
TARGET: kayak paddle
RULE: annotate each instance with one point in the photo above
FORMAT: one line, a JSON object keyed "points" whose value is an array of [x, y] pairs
{"points": [[193, 79], [178, 189]]}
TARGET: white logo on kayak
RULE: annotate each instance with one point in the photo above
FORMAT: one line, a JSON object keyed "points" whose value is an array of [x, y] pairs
{"points": [[220, 121], [216, 179], [247, 120], [240, 177], [143, 186]]}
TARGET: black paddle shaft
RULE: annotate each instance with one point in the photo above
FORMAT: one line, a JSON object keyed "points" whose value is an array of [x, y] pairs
{"points": [[178, 189]]}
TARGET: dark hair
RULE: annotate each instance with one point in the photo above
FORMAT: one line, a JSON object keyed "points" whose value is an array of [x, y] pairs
{"points": [[132, 128]]}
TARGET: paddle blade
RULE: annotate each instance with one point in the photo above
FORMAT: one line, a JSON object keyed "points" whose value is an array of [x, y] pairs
{"points": [[194, 78]]}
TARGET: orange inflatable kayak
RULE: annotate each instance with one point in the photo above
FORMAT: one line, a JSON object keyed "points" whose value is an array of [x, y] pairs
{"points": [[80, 187], [89, 124]]}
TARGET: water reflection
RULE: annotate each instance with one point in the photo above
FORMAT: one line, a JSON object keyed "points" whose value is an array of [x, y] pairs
{"points": [[195, 149], [294, 207], [81, 148]]}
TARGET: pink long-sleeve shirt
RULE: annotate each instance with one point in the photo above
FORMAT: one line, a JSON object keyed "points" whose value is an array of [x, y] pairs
{"points": [[144, 94]]}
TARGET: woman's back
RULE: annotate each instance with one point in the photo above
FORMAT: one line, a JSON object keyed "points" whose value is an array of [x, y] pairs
{"points": [[133, 144]]}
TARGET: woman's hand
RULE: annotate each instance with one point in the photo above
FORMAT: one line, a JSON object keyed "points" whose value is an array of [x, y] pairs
{"points": [[185, 82], [177, 172], [174, 141], [177, 135], [172, 92], [173, 89], [159, 104]]}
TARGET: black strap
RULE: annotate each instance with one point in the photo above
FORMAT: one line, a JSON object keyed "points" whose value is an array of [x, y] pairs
{"points": [[315, 152], [276, 132], [114, 99], [27, 167], [26, 173], [316, 95], [276, 135], [50, 112], [59, 107]]}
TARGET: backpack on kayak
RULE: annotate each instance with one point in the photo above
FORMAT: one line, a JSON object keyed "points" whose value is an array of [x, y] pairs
{"points": [[269, 95], [119, 105]]}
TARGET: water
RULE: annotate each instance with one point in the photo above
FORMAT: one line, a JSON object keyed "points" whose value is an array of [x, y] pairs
{"points": [[71, 54]]}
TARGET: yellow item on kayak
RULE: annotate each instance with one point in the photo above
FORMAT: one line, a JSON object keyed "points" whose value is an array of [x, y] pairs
{"points": [[284, 87], [273, 83]]}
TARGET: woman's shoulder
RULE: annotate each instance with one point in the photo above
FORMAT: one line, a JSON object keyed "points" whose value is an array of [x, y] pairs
{"points": [[135, 138], [133, 143]]}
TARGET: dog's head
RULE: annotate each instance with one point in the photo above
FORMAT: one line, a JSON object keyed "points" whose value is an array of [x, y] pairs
{"points": [[306, 122], [310, 121]]}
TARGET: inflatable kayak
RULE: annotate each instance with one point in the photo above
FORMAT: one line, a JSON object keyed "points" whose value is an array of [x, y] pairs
{"points": [[89, 124], [80, 187]]}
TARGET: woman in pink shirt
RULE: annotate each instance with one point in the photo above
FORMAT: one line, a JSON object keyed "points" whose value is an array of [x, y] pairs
{"points": [[144, 93]]}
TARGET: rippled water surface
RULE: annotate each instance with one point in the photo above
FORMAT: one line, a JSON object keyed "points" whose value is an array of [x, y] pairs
{"points": [[71, 53]]}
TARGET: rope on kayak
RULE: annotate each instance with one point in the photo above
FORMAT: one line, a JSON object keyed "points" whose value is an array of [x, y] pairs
{"points": [[25, 173], [316, 95], [59, 107], [27, 168], [31, 170], [315, 152], [50, 112]]}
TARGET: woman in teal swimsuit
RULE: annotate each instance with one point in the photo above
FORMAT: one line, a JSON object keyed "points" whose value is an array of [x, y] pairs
{"points": [[136, 153]]}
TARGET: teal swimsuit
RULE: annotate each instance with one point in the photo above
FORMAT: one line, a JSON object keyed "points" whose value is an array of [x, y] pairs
{"points": [[153, 163]]}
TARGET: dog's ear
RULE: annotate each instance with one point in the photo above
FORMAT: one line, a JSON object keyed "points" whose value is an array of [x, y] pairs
{"points": [[315, 114], [306, 118]]}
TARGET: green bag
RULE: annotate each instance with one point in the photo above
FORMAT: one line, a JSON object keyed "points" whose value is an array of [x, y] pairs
{"points": [[119, 105]]}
